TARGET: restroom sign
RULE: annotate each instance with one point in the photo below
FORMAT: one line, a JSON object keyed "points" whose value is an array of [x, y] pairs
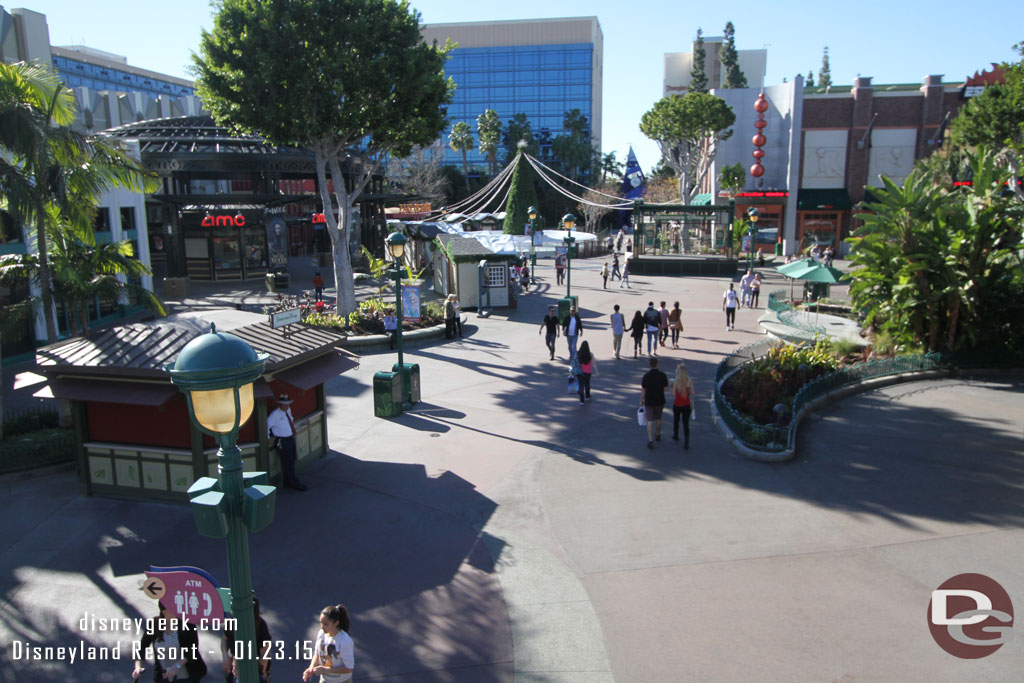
{"points": [[189, 594]]}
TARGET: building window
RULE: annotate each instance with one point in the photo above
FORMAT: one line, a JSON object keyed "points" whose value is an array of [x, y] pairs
{"points": [[9, 230], [496, 275], [101, 223], [127, 218]]}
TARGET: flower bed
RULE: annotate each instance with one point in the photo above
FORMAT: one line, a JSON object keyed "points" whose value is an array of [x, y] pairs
{"points": [[369, 319], [758, 386]]}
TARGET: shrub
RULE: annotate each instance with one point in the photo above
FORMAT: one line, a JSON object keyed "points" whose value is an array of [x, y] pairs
{"points": [[775, 378]]}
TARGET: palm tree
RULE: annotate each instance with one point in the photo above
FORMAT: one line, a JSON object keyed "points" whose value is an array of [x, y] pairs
{"points": [[610, 165], [488, 128], [49, 166], [461, 140]]}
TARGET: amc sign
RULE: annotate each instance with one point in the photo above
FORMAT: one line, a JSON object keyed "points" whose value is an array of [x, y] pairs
{"points": [[236, 221]]}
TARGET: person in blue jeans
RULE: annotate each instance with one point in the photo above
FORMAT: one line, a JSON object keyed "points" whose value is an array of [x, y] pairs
{"points": [[652, 325], [584, 367], [572, 327]]}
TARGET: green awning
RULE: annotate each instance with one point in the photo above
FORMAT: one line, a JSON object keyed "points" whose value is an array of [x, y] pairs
{"points": [[701, 199], [824, 200]]}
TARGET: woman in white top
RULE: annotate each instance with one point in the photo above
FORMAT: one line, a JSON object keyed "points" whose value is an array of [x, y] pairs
{"points": [[333, 653]]}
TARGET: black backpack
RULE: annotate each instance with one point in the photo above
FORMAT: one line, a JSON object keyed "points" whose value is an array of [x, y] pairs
{"points": [[652, 317]]}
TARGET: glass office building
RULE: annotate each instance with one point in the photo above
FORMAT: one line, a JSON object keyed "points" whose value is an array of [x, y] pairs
{"points": [[541, 68], [79, 73]]}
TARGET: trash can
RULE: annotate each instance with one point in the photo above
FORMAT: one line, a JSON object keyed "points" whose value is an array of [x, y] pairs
{"points": [[387, 394], [778, 248], [565, 304], [411, 377], [271, 283], [282, 280]]}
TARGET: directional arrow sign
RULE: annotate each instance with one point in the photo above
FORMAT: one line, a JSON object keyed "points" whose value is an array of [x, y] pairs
{"points": [[190, 594], [154, 588]]}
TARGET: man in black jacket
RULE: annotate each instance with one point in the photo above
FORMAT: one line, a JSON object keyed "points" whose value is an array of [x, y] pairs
{"points": [[572, 326]]}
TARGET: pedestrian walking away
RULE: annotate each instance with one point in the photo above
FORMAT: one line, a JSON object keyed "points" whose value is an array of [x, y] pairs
{"points": [[729, 303], [652, 395], [662, 324], [675, 323], [584, 367], [652, 322], [318, 287], [604, 275], [618, 329], [550, 327], [682, 392], [615, 267], [572, 327], [524, 273], [333, 651], [625, 276], [636, 331], [281, 426]]}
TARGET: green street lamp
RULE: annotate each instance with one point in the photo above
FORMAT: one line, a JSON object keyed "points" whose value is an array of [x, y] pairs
{"points": [[569, 221], [532, 213], [396, 242], [216, 372], [754, 215]]}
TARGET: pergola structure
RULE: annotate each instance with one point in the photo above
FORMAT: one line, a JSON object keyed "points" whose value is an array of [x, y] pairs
{"points": [[681, 239]]}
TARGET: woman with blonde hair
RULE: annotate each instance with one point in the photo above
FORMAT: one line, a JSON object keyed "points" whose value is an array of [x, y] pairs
{"points": [[682, 391]]}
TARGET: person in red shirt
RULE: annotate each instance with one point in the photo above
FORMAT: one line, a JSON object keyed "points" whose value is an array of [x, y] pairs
{"points": [[682, 391], [318, 286]]}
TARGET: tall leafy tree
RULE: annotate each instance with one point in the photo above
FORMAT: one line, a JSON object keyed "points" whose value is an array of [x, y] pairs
{"points": [[825, 73], [358, 84], [698, 69], [610, 166], [574, 148], [938, 264], [996, 118], [810, 79], [688, 129], [461, 140], [521, 196], [488, 130], [730, 59], [48, 170], [518, 130]]}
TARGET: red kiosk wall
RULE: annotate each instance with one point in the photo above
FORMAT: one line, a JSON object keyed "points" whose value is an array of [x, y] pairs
{"points": [[165, 425]]}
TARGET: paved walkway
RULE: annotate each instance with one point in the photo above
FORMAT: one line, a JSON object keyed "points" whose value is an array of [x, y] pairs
{"points": [[501, 531]]}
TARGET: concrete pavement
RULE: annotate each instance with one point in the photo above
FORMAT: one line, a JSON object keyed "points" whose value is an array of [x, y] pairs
{"points": [[500, 531]]}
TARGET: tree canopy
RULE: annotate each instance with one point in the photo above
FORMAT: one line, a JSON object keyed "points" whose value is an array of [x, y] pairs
{"points": [[574, 149], [352, 80], [825, 73], [688, 129], [461, 140], [518, 130], [996, 118]]}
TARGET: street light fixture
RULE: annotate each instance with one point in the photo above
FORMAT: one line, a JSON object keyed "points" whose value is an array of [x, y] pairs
{"points": [[532, 213], [216, 372], [754, 215], [396, 242], [569, 221]]}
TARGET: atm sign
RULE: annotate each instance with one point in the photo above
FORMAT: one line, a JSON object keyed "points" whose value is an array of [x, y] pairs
{"points": [[223, 221]]}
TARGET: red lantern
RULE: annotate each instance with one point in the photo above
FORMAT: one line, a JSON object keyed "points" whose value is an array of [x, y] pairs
{"points": [[760, 106], [756, 170], [758, 140], [758, 154]]}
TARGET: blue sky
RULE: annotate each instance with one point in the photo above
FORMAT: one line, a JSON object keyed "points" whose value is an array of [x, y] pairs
{"points": [[894, 42]]}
